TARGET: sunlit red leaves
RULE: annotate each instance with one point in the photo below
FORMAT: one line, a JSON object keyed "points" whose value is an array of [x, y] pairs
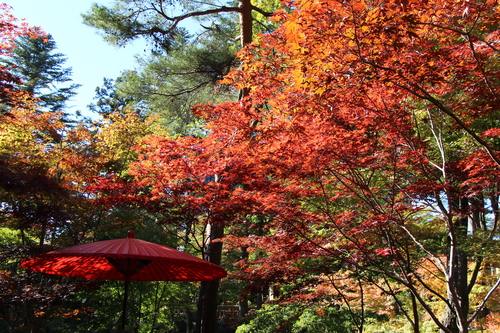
{"points": [[390, 50], [482, 174], [195, 178], [11, 28], [420, 48], [346, 134], [337, 116]]}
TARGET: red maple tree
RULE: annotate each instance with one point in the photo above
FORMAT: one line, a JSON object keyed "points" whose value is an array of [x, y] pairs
{"points": [[368, 140]]}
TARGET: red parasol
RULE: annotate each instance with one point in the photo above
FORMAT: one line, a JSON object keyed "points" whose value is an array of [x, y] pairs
{"points": [[125, 259]]}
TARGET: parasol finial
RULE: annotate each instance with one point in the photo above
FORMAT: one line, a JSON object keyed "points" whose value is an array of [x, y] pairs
{"points": [[131, 234]]}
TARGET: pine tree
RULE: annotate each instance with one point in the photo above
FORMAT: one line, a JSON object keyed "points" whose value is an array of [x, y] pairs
{"points": [[40, 67]]}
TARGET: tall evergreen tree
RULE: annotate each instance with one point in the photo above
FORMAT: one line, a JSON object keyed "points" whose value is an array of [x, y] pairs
{"points": [[170, 84], [42, 71], [108, 100]]}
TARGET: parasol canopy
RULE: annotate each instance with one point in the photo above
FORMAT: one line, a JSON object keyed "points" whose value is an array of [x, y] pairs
{"points": [[127, 259]]}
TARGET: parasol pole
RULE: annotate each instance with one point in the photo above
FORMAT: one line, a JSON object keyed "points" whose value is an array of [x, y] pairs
{"points": [[126, 258]]}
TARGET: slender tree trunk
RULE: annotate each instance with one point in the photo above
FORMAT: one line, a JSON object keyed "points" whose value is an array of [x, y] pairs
{"points": [[246, 22], [455, 319], [207, 307], [246, 31], [416, 316], [207, 303], [243, 303], [206, 321]]}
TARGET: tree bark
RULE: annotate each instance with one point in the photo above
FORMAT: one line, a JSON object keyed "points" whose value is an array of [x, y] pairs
{"points": [[246, 22], [416, 316], [243, 303], [206, 321], [246, 31], [455, 319], [207, 303]]}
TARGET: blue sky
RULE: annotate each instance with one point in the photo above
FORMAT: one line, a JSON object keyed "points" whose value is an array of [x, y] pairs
{"points": [[87, 53]]}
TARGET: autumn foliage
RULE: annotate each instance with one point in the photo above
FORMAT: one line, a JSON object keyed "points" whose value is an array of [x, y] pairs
{"points": [[368, 142], [360, 170], [10, 29], [45, 169]]}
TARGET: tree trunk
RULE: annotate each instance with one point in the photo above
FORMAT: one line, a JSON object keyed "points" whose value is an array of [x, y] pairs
{"points": [[246, 22], [246, 31], [455, 319], [416, 316], [243, 303], [206, 321]]}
